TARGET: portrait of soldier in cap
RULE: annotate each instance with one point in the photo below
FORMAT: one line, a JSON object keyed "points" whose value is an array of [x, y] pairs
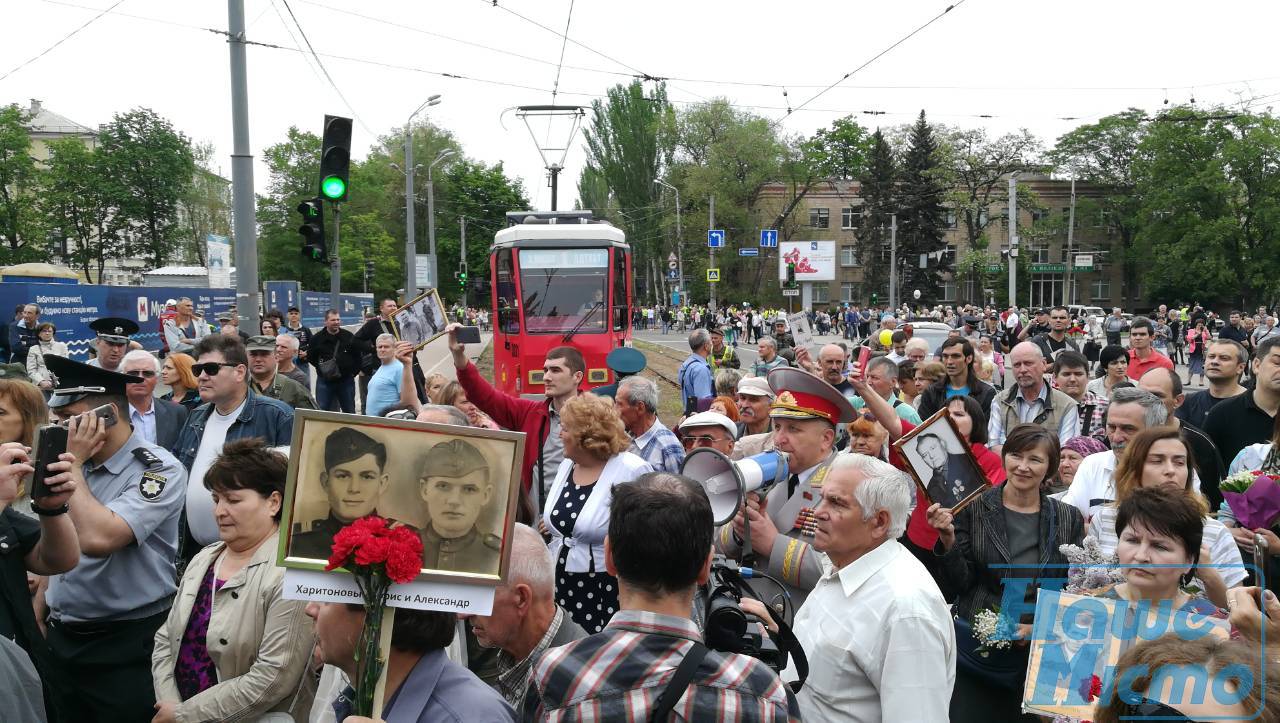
{"points": [[354, 480], [456, 487]]}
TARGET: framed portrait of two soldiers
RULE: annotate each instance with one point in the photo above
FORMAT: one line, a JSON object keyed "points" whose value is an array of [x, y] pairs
{"points": [[457, 487]]}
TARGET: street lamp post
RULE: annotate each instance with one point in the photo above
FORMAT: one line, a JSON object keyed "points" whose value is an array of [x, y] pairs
{"points": [[431, 213], [679, 238], [410, 245]]}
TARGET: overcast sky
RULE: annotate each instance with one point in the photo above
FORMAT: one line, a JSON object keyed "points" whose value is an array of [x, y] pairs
{"points": [[1021, 62]]}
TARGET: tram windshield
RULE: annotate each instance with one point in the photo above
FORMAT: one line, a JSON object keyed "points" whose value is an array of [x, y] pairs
{"points": [[564, 289]]}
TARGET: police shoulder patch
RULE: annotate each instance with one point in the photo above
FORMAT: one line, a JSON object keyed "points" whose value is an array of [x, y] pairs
{"points": [[152, 485], [146, 456]]}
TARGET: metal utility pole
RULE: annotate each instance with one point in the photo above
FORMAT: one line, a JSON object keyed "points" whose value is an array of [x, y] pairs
{"points": [[1013, 239], [242, 197], [893, 262], [463, 242], [410, 238], [431, 215], [679, 237], [1069, 293], [711, 254], [335, 262]]}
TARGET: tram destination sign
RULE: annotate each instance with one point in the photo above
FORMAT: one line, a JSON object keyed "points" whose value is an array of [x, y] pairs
{"points": [[564, 258]]}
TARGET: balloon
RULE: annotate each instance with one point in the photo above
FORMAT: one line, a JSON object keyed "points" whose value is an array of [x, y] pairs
{"points": [[886, 338]]}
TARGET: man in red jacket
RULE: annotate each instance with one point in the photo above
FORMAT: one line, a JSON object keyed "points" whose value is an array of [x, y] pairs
{"points": [[562, 373]]}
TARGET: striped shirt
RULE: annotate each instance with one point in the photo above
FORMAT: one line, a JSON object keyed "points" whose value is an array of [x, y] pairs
{"points": [[618, 674]]}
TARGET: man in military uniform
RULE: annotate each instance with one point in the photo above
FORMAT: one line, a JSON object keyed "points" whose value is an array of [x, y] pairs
{"points": [[104, 613], [113, 341], [625, 361], [266, 379], [354, 480], [805, 414], [455, 486]]}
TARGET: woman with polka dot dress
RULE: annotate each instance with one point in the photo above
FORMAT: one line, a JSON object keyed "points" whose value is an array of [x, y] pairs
{"points": [[576, 511]]}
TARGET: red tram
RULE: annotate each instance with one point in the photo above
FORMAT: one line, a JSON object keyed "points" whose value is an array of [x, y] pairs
{"points": [[557, 278]]}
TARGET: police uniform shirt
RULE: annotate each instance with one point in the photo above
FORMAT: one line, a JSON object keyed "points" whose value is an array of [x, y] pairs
{"points": [[475, 551], [146, 486]]}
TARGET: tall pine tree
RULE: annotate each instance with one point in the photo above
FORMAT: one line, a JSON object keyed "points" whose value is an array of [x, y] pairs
{"points": [[921, 218], [877, 181]]}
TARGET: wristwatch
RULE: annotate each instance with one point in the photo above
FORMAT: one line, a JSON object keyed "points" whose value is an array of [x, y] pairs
{"points": [[64, 509]]}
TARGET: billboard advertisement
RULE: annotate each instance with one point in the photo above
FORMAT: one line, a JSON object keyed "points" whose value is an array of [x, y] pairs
{"points": [[814, 260], [219, 250]]}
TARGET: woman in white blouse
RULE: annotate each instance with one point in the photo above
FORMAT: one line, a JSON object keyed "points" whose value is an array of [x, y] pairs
{"points": [[576, 511], [1159, 457]]}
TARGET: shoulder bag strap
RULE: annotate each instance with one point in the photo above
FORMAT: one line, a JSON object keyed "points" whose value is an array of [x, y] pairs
{"points": [[679, 684]]}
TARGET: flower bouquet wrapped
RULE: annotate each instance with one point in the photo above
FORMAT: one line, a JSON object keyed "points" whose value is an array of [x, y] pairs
{"points": [[1090, 569], [376, 555], [993, 631], [1254, 498]]}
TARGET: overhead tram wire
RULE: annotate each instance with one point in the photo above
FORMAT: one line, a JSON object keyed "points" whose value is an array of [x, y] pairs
{"points": [[325, 71], [310, 65], [873, 58], [61, 40]]}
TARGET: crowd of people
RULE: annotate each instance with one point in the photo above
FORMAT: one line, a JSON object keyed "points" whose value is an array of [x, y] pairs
{"points": [[140, 583]]}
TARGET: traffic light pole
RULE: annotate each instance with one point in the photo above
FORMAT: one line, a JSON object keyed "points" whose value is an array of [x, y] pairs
{"points": [[242, 196], [462, 237], [335, 263]]}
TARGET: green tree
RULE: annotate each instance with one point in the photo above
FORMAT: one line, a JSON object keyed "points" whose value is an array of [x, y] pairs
{"points": [[20, 229], [364, 239], [730, 155], [921, 216], [206, 206], [75, 199], [977, 175], [151, 166], [629, 144], [482, 194], [293, 172], [878, 181], [1105, 153], [840, 151], [1209, 218]]}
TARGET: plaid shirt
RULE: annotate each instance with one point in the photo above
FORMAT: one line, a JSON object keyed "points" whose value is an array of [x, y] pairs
{"points": [[618, 674], [660, 447]]}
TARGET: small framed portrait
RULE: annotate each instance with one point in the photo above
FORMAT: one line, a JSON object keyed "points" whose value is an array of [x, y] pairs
{"points": [[457, 487], [942, 463], [422, 319]]}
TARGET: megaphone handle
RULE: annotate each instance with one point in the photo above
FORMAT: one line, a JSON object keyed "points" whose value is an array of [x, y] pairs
{"points": [[748, 558]]}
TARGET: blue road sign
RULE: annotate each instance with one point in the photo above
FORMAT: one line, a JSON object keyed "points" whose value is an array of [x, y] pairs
{"points": [[715, 238], [748, 252], [673, 274], [768, 238]]}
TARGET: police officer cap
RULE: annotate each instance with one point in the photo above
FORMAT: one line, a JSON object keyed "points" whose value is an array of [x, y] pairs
{"points": [[114, 329], [455, 458], [346, 444], [625, 361], [801, 395], [75, 381]]}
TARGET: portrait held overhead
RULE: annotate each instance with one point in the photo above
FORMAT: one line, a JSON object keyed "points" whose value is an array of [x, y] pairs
{"points": [[943, 465], [454, 486], [422, 319]]}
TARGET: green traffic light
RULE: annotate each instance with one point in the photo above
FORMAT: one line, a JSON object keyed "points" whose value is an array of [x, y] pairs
{"points": [[333, 187]]}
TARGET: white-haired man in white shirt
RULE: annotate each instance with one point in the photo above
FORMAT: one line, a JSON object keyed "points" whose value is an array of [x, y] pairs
{"points": [[876, 630]]}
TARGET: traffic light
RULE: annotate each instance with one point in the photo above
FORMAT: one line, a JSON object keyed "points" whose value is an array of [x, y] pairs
{"points": [[462, 278], [791, 274], [312, 230], [335, 158], [874, 298]]}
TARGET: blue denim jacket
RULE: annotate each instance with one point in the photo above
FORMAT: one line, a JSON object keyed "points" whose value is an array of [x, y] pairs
{"points": [[261, 416]]}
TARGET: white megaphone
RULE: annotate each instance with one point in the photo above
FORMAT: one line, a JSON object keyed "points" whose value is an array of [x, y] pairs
{"points": [[727, 482]]}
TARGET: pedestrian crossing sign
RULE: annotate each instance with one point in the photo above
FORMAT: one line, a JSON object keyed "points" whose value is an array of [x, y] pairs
{"points": [[713, 275]]}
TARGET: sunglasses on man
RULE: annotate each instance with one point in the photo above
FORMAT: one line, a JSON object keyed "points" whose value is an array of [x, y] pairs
{"points": [[210, 369], [698, 440]]}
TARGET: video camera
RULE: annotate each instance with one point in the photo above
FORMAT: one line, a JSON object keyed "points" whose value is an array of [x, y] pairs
{"points": [[726, 626]]}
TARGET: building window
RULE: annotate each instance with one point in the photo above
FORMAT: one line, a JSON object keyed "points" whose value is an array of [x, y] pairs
{"points": [[953, 219], [948, 291], [848, 292], [1040, 253], [819, 218], [848, 256], [821, 293], [949, 254], [848, 218], [1038, 215], [1100, 289], [983, 217]]}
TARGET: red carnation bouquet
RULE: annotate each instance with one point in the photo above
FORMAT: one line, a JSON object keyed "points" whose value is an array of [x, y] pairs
{"points": [[376, 555]]}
